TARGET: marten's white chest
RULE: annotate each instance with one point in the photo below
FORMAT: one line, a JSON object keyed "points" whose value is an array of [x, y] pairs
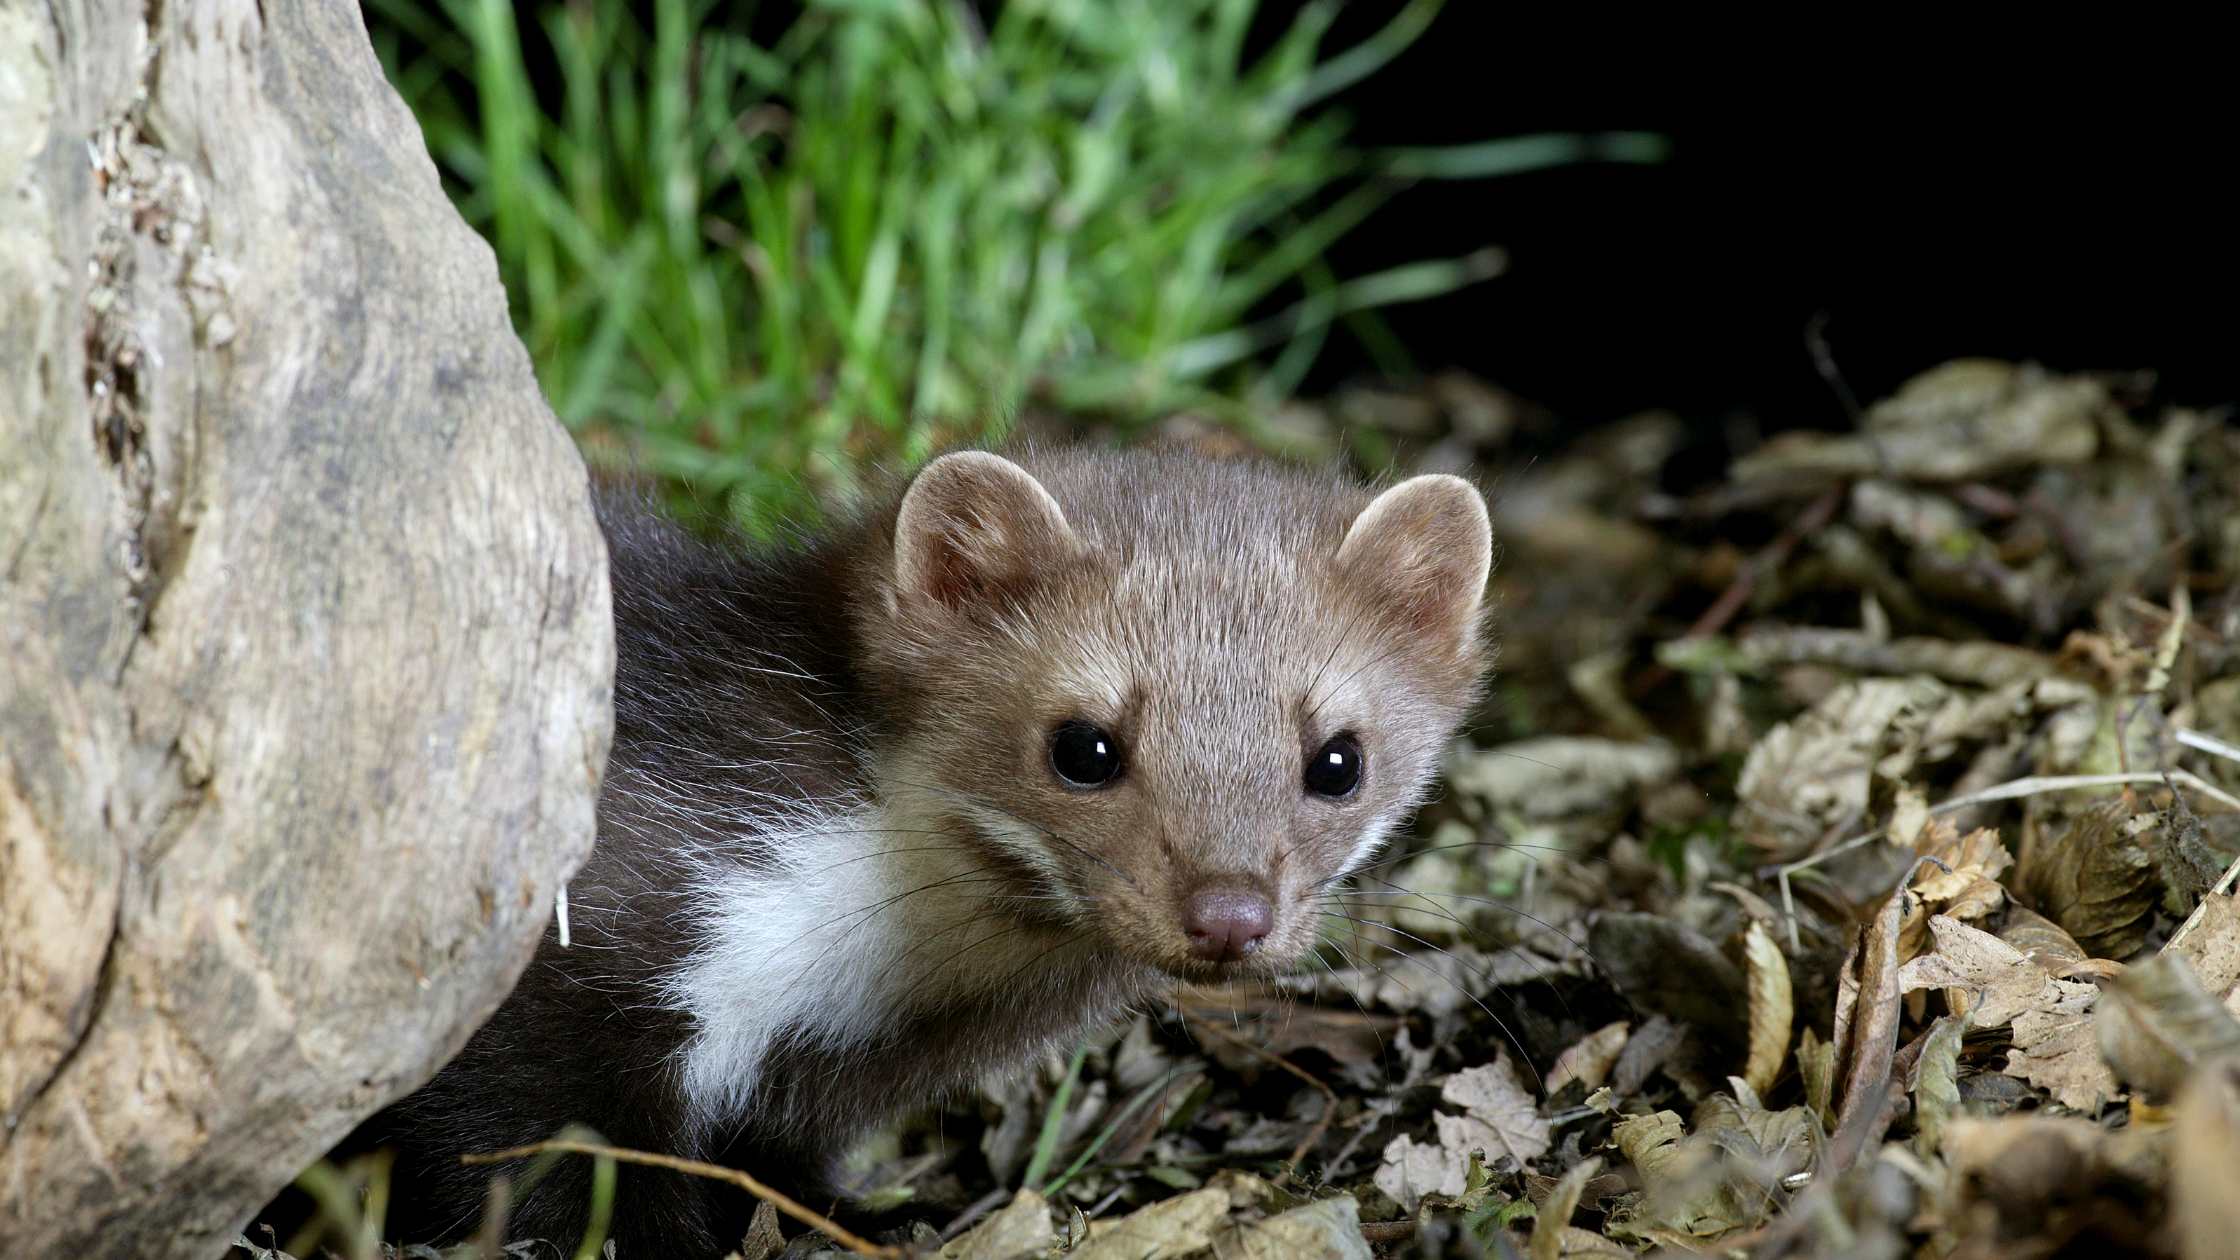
{"points": [[864, 916]]}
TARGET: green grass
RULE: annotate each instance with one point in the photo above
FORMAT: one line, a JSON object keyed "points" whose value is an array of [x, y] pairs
{"points": [[750, 269]]}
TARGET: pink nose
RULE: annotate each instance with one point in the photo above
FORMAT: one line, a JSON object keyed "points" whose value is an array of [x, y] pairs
{"points": [[1225, 926]]}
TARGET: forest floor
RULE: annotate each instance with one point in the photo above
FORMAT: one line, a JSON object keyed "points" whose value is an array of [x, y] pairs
{"points": [[1839, 866]]}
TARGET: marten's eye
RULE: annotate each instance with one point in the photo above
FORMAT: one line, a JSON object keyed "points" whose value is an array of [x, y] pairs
{"points": [[1084, 755], [1335, 768]]}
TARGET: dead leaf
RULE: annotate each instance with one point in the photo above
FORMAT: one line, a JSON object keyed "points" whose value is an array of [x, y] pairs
{"points": [[1589, 1059], [1021, 1229], [1327, 1229], [1562, 775], [2057, 1050], [2095, 881], [2212, 948], [765, 1240], [1165, 1230], [1873, 1034], [1772, 1007], [1936, 1083], [1646, 1051], [1499, 1117], [1815, 770], [1982, 974], [1555, 1211], [1492, 1100], [1816, 1063], [1684, 1188], [2155, 1022], [2205, 1151], [2041, 940], [1968, 860], [1667, 969]]}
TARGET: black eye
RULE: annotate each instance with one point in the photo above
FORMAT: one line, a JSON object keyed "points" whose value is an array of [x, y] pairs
{"points": [[1335, 768], [1084, 755]]}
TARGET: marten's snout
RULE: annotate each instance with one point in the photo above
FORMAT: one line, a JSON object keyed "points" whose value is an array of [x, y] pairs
{"points": [[1225, 925]]}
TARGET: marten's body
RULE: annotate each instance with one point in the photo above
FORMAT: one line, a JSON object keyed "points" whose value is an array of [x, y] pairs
{"points": [[941, 790]]}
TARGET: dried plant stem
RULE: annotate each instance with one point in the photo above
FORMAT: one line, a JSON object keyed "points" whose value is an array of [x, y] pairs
{"points": [[1329, 1096], [714, 1172]]}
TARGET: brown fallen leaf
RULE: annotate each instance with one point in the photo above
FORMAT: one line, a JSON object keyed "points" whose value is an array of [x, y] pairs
{"points": [[2095, 880], [1499, 1116], [1021, 1229], [1864, 1058], [2156, 1022], [1983, 975], [1589, 1059], [1555, 1211], [2204, 1160], [2056, 1049], [1683, 1191], [1816, 1063], [1968, 860], [2020, 1177], [2213, 949], [1772, 1007], [1936, 1083], [1815, 770], [1166, 1230], [1646, 1051], [1327, 1229], [2042, 940]]}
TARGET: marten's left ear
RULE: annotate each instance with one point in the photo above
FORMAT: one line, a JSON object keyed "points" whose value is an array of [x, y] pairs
{"points": [[973, 526], [1423, 549]]}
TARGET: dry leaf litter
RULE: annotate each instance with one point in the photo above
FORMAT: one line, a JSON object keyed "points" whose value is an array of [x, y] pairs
{"points": [[1840, 866]]}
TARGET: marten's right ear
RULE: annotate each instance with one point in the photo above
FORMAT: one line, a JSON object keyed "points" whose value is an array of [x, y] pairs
{"points": [[973, 526]]}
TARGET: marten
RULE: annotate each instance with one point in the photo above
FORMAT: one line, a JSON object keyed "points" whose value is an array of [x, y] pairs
{"points": [[942, 788]]}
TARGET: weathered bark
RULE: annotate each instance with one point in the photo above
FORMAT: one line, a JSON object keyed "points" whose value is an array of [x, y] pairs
{"points": [[304, 637]]}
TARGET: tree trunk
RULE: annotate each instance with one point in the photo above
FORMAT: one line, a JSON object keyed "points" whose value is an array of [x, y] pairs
{"points": [[305, 647]]}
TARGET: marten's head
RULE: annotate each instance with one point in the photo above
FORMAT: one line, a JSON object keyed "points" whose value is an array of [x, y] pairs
{"points": [[1165, 701]]}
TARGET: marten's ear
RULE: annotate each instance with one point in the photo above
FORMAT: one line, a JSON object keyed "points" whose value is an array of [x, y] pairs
{"points": [[972, 526], [1423, 549]]}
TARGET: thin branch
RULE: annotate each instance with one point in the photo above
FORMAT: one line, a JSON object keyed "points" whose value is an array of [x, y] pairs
{"points": [[714, 1172], [1329, 1096]]}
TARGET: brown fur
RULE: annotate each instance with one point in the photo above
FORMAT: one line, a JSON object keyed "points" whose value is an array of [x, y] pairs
{"points": [[837, 875]]}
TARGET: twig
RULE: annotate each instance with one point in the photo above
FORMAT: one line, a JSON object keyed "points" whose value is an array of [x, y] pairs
{"points": [[714, 1172], [2035, 784], [1329, 1096], [1769, 559]]}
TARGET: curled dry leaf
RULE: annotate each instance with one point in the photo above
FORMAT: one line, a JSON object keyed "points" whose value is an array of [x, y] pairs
{"points": [[2156, 1022], [1968, 860], [1667, 969], [2041, 940], [2213, 950], [1815, 771], [1561, 775], [1871, 1037], [2095, 881], [1020, 1230], [1166, 1230], [1327, 1229], [1936, 1083], [1772, 1007], [1984, 975], [1499, 1116], [1646, 1051], [2205, 1152], [1589, 1059], [1554, 1219]]}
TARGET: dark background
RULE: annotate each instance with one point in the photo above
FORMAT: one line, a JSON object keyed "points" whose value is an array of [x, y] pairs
{"points": [[1938, 186]]}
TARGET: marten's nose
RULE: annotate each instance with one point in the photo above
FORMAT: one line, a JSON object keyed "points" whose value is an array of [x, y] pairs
{"points": [[1226, 925]]}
